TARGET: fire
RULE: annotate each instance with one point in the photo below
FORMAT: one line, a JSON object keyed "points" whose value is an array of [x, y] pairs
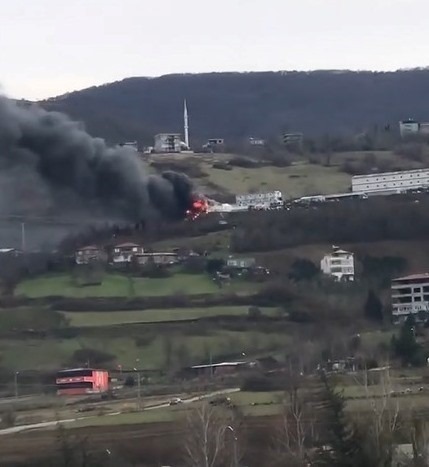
{"points": [[198, 207]]}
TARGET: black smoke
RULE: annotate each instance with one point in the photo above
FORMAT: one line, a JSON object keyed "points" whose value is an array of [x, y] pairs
{"points": [[49, 162]]}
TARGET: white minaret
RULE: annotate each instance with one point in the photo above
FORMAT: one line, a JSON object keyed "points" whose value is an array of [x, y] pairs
{"points": [[186, 124]]}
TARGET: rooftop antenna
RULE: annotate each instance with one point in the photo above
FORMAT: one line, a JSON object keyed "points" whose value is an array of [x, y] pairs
{"points": [[186, 124]]}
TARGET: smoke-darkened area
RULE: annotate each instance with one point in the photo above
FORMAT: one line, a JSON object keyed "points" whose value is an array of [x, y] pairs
{"points": [[49, 165]]}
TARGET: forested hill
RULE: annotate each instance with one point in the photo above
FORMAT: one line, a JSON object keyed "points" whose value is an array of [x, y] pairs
{"points": [[238, 105]]}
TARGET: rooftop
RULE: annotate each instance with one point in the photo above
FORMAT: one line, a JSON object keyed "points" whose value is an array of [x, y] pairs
{"points": [[214, 365], [127, 245], [424, 275], [88, 247]]}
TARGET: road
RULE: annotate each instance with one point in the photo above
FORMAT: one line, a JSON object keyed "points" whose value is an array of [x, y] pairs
{"points": [[51, 424]]}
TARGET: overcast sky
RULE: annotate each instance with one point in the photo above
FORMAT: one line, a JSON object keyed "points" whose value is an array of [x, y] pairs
{"points": [[48, 47]]}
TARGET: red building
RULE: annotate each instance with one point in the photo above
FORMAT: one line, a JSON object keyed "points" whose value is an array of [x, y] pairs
{"points": [[80, 381]]}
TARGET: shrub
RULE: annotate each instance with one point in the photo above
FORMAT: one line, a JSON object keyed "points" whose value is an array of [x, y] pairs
{"points": [[8, 418], [254, 312], [129, 381], [91, 357]]}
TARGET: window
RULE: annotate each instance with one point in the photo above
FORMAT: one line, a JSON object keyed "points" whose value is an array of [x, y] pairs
{"points": [[77, 385], [418, 299]]}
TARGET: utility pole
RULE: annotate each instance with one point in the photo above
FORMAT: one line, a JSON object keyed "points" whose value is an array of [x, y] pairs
{"points": [[16, 384], [235, 456], [23, 236], [139, 393], [139, 405]]}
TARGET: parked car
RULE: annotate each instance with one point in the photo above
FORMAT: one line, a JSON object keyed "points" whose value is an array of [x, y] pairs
{"points": [[175, 401]]}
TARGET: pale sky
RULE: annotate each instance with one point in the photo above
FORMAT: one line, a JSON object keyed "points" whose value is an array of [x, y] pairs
{"points": [[49, 47]]}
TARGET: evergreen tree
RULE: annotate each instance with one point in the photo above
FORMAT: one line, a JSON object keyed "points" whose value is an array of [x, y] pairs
{"points": [[342, 447], [405, 345], [373, 307]]}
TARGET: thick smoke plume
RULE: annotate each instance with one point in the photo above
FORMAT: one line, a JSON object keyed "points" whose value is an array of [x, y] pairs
{"points": [[48, 161]]}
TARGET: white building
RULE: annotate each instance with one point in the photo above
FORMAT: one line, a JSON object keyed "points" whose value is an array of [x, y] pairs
{"points": [[339, 265], [408, 127], [167, 142], [131, 145], [125, 252], [410, 295], [391, 181], [256, 141], [260, 200]]}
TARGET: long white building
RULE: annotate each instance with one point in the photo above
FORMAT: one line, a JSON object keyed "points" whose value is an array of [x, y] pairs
{"points": [[339, 264], [410, 296], [262, 200], [391, 181]]}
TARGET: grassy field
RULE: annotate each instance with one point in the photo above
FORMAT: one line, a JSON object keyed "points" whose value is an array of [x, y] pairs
{"points": [[116, 285], [296, 180], [88, 318], [54, 353]]}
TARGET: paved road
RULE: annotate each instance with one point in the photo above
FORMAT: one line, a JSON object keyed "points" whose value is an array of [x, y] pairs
{"points": [[50, 424]]}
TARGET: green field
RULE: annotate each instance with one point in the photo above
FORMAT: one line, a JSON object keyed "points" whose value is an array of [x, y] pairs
{"points": [[188, 349], [88, 318], [294, 181], [116, 285]]}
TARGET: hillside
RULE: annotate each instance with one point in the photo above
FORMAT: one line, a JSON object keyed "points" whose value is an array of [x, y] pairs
{"points": [[238, 105]]}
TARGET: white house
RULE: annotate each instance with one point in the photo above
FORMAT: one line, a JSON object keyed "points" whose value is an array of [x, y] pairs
{"points": [[167, 142], [339, 265], [410, 296], [125, 252], [408, 127]]}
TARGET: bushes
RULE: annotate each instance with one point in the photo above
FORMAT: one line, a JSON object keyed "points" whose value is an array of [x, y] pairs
{"points": [[260, 383], [8, 418], [244, 162], [91, 357], [221, 165], [332, 223]]}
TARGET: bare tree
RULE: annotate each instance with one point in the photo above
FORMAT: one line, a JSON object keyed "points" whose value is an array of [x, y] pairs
{"points": [[382, 423], [296, 434], [212, 439]]}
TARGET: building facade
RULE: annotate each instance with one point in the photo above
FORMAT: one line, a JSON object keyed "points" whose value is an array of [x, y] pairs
{"points": [[391, 181], [339, 265], [265, 200], [167, 143], [408, 127], [125, 252], [89, 254], [240, 263], [410, 296], [80, 381]]}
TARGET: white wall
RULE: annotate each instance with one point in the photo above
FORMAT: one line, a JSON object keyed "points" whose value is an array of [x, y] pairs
{"points": [[402, 180]]}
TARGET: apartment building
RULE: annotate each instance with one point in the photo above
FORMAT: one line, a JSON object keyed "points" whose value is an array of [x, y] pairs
{"points": [[339, 264], [410, 296], [391, 181]]}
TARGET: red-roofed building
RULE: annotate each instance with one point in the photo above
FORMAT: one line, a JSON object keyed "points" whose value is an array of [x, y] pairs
{"points": [[410, 296]]}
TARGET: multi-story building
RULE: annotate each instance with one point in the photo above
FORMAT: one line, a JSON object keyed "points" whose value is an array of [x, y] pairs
{"points": [[339, 265], [391, 181], [125, 252], [89, 254], [167, 142], [410, 296]]}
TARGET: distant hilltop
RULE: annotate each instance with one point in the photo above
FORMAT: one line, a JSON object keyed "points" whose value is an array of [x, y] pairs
{"points": [[235, 106]]}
